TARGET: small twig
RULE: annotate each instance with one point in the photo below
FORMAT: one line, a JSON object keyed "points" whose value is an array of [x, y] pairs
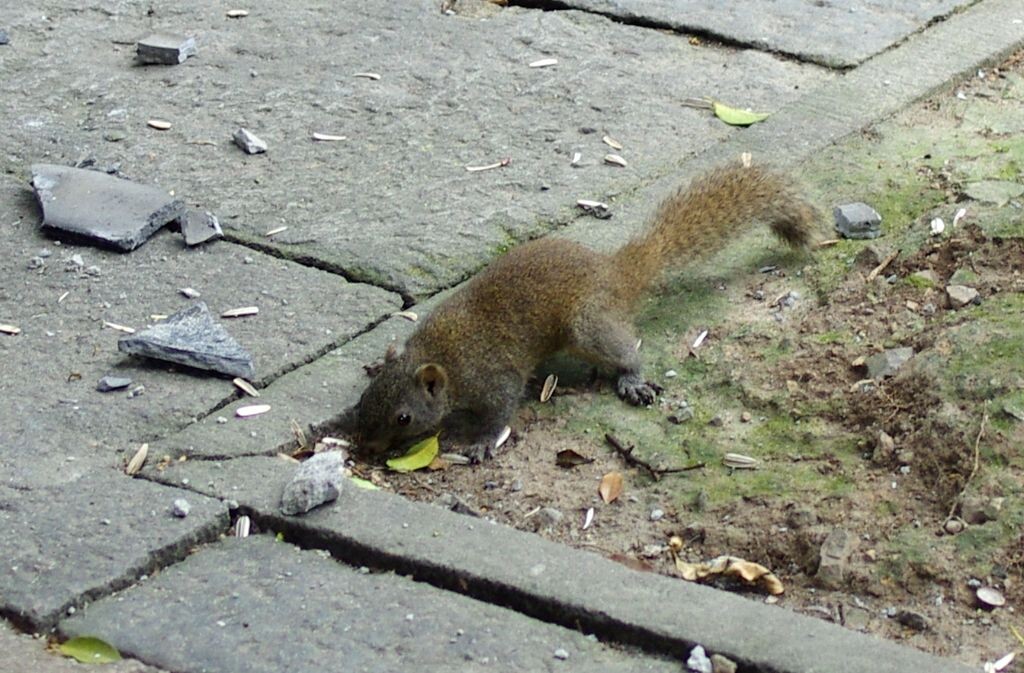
{"points": [[882, 266], [632, 459], [974, 468]]}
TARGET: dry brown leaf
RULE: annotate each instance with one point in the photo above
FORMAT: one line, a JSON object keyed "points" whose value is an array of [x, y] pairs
{"points": [[611, 487], [570, 458]]}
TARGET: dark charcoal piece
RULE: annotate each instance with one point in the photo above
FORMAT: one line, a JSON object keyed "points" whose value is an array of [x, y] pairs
{"points": [[165, 49], [191, 337], [200, 226], [113, 211]]}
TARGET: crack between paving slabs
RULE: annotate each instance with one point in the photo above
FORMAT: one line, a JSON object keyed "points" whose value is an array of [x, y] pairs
{"points": [[353, 553], [708, 37]]}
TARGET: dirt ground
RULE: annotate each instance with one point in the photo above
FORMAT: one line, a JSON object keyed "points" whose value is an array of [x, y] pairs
{"points": [[918, 476]]}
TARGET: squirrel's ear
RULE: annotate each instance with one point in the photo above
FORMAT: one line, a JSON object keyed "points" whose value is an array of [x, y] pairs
{"points": [[391, 353], [433, 378]]}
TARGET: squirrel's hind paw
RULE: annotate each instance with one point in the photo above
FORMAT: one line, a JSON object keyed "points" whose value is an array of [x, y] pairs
{"points": [[636, 391]]}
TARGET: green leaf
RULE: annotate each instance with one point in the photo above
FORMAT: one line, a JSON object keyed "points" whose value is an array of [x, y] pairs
{"points": [[364, 483], [89, 650], [735, 117], [419, 456]]}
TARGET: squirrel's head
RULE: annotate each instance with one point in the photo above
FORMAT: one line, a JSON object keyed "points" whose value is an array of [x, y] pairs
{"points": [[405, 401]]}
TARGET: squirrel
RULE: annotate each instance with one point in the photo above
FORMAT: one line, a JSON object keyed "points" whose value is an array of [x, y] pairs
{"points": [[472, 356]]}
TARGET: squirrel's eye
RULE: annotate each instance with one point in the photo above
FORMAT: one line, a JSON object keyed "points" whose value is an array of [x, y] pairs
{"points": [[404, 419]]}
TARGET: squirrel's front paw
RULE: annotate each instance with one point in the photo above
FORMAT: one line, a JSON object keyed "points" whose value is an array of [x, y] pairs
{"points": [[479, 451], [636, 391]]}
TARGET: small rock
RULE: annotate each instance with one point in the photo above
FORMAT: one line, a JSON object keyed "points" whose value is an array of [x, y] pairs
{"points": [[181, 508], [835, 557], [516, 485], [36, 263], [722, 664], [978, 510], [953, 526], [191, 337], [137, 391], [561, 654], [926, 277], [887, 363], [657, 515], [108, 383], [745, 417], [801, 518], [885, 447], [912, 620], [249, 142], [961, 295], [856, 618], [550, 515], [698, 661], [857, 220], [317, 481], [102, 207], [199, 226], [682, 416], [671, 374], [165, 49], [999, 192]]}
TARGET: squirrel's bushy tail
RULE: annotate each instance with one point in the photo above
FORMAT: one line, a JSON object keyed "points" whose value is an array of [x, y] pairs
{"points": [[701, 218]]}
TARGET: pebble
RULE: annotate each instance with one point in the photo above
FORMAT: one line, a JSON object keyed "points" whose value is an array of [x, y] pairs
{"points": [[108, 383], [722, 664], [516, 486], [317, 481], [657, 514], [886, 364], [671, 374], [561, 654], [249, 141], [698, 661], [961, 295], [181, 508]]}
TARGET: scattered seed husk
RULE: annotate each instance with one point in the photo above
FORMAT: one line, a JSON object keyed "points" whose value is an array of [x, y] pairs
{"points": [[990, 597], [588, 519], [615, 160], [827, 243], [242, 526], [544, 63], [63, 296], [408, 315], [746, 158], [498, 164], [612, 143], [367, 75], [245, 387], [738, 461], [503, 437], [454, 458], [1005, 660], [570, 458], [549, 387], [119, 328], [335, 442], [240, 312], [159, 124], [189, 292], [328, 137], [275, 231], [252, 410], [960, 214], [700, 339], [157, 317], [137, 461], [237, 13], [576, 156], [10, 329], [591, 205], [639, 343]]}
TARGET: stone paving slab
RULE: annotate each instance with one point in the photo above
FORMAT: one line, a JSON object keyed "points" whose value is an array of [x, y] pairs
{"points": [[393, 204], [838, 34], [21, 653], [94, 533], [326, 617], [549, 581], [51, 407]]}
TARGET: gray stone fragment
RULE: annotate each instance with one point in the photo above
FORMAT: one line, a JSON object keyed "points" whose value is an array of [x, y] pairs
{"points": [[886, 364], [998, 192], [835, 558], [180, 508], [961, 295], [116, 212], [165, 49], [191, 337], [108, 383], [317, 481], [698, 661], [4, 38], [249, 142], [199, 226], [857, 220]]}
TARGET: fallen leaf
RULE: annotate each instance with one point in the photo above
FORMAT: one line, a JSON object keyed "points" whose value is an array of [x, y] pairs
{"points": [[570, 458], [735, 117], [89, 650], [611, 487], [420, 455]]}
